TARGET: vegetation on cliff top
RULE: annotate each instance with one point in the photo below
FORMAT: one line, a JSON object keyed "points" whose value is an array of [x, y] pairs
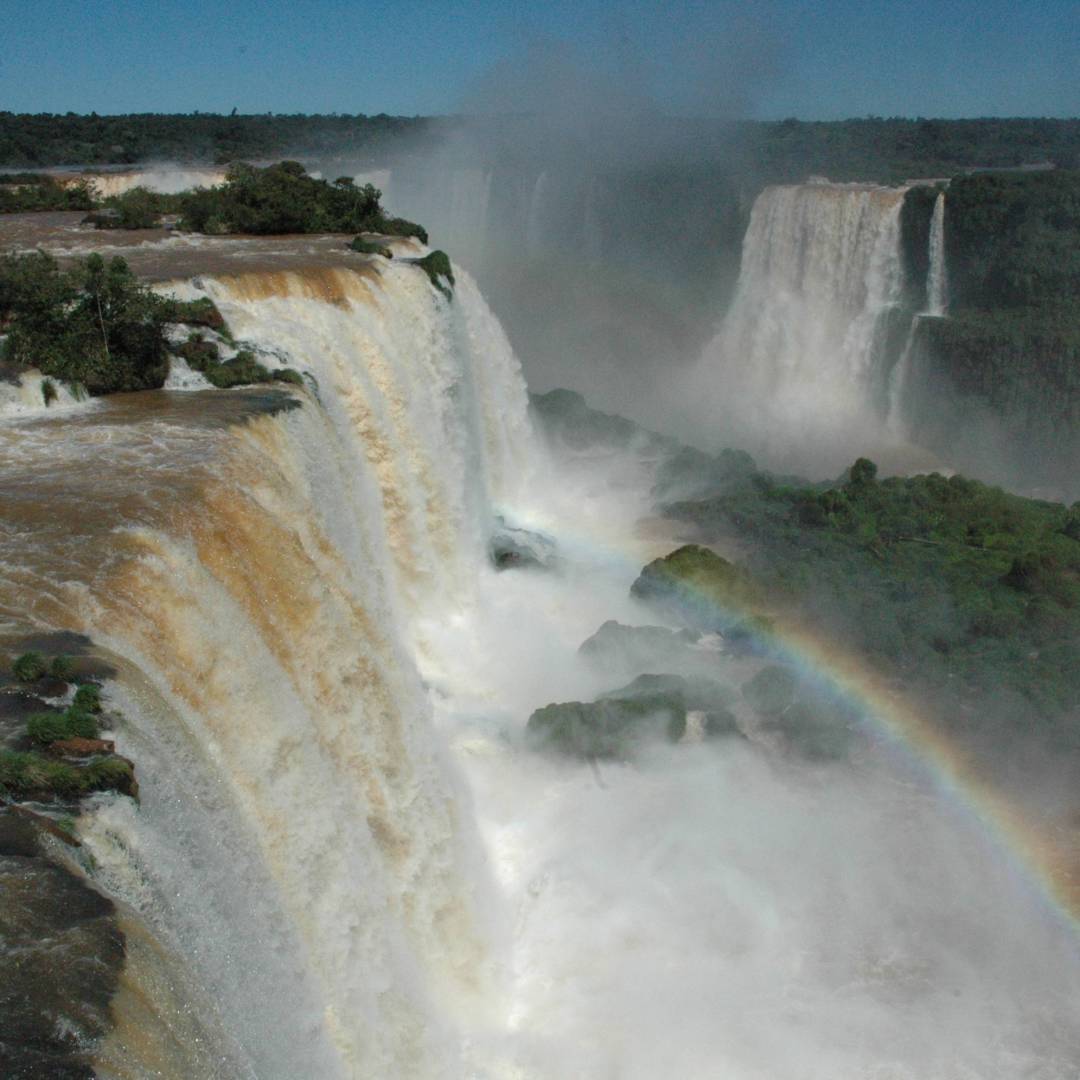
{"points": [[96, 325], [282, 198], [1010, 347], [958, 586], [28, 192]]}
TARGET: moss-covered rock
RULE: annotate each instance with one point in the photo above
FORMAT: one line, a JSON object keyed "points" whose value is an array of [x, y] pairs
{"points": [[691, 694], [771, 690], [243, 369], [369, 247], [34, 776], [440, 273], [651, 708], [812, 722], [45, 728], [609, 728], [816, 729], [699, 586]]}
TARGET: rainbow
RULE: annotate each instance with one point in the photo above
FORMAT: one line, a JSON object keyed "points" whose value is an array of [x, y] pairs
{"points": [[1040, 861], [1044, 864]]}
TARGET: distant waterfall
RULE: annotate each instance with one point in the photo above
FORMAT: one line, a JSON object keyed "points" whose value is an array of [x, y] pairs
{"points": [[937, 281], [937, 285], [802, 354]]}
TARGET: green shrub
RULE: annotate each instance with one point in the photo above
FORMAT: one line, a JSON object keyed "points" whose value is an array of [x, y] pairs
{"points": [[29, 667], [138, 208], [439, 271], [48, 391], [48, 728], [87, 698], [862, 474], [242, 370], [62, 667], [197, 352], [33, 775], [200, 312], [282, 198], [38, 192], [960, 587], [369, 247], [287, 375]]}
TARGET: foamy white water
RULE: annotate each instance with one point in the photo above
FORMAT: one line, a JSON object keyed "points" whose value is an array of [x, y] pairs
{"points": [[937, 286], [341, 833], [937, 280]]}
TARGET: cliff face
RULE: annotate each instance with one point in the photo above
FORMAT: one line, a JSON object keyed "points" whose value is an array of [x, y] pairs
{"points": [[996, 386]]}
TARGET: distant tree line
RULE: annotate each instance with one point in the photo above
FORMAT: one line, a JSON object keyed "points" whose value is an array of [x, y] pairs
{"points": [[872, 148], [50, 139]]}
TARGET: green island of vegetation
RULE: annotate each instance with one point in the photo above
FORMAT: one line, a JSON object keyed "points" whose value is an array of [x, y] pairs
{"points": [[94, 325], [282, 198], [956, 588], [63, 758], [962, 595]]}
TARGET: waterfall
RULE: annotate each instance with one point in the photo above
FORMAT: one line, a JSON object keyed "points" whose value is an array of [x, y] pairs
{"points": [[342, 841], [535, 227], [801, 355], [261, 583], [937, 285], [937, 282], [429, 396]]}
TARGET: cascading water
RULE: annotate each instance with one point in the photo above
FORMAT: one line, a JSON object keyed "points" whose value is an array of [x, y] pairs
{"points": [[258, 585], [937, 282], [937, 290], [798, 365], [370, 877]]}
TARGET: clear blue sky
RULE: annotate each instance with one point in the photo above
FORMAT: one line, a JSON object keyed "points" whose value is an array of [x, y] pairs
{"points": [[771, 58]]}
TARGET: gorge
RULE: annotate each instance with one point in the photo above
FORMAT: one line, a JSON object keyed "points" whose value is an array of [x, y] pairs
{"points": [[348, 859]]}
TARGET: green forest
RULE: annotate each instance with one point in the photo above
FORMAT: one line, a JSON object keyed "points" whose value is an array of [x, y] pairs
{"points": [[1011, 343], [871, 148]]}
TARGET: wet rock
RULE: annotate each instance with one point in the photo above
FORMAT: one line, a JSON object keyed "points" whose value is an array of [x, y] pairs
{"points": [[625, 651], [697, 694], [817, 729], [609, 728], [16, 707], [770, 691], [564, 416], [81, 748], [61, 954], [692, 474], [511, 547], [699, 587], [753, 636], [42, 823], [810, 721], [651, 708]]}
